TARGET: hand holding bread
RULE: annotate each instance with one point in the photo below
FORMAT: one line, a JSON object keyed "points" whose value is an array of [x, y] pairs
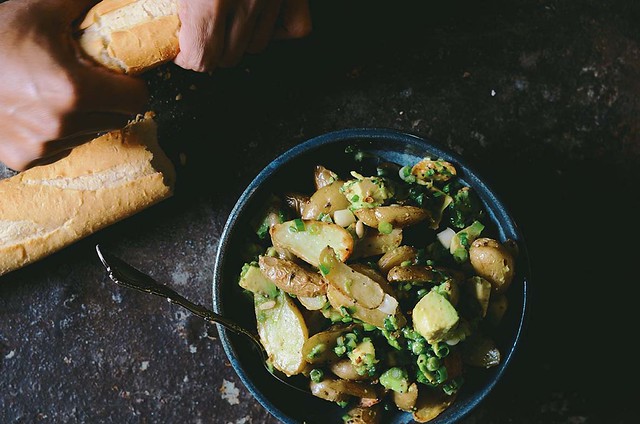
{"points": [[50, 100], [55, 102], [133, 36], [218, 33]]}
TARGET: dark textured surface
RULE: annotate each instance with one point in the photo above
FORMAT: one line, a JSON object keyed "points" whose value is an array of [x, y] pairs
{"points": [[539, 96]]}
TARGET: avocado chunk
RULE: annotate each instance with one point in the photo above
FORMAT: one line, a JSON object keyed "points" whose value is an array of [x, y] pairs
{"points": [[395, 379], [434, 316], [366, 192], [252, 279]]}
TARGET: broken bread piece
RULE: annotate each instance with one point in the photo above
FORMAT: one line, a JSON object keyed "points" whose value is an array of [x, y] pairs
{"points": [[131, 36], [105, 180]]}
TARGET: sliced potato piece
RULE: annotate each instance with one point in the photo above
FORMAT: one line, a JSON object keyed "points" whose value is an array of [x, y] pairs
{"points": [[339, 300], [430, 404], [406, 401], [282, 253], [318, 349], [283, 332], [480, 351], [396, 257], [325, 200], [314, 303], [412, 274], [307, 242], [323, 176], [375, 243], [327, 390], [345, 369], [338, 390], [364, 415], [374, 275], [396, 215], [374, 317], [362, 289], [291, 277]]}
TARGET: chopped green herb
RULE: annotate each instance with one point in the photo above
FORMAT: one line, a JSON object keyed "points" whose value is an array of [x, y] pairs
{"points": [[324, 268], [316, 351], [297, 226], [391, 323]]}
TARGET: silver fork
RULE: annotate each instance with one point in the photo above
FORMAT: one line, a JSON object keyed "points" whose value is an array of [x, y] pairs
{"points": [[126, 275]]}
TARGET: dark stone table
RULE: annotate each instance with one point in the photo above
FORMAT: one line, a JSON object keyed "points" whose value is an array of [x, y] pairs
{"points": [[539, 96]]}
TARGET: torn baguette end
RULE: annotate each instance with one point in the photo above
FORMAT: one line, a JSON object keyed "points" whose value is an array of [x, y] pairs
{"points": [[108, 179]]}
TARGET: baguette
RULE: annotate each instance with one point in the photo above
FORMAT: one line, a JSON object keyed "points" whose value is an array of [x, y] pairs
{"points": [[131, 36], [112, 177]]}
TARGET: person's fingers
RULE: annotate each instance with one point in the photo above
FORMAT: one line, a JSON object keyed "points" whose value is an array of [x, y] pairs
{"points": [[101, 90], [201, 35], [265, 27], [295, 20], [20, 155], [240, 31], [13, 155], [92, 123], [20, 150]]}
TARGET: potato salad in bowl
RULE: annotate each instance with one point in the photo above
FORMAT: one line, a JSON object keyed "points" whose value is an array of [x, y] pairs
{"points": [[381, 287]]}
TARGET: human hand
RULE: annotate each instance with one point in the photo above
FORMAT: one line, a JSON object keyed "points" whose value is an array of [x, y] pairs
{"points": [[50, 98], [218, 33]]}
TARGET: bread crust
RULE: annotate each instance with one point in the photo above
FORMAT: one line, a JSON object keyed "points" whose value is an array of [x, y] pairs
{"points": [[102, 8], [145, 43], [159, 38], [110, 178]]}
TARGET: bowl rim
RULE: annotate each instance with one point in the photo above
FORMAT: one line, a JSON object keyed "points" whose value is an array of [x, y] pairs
{"points": [[374, 133]]}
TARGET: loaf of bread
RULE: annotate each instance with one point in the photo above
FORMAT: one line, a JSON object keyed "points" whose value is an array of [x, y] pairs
{"points": [[112, 177], [131, 36]]}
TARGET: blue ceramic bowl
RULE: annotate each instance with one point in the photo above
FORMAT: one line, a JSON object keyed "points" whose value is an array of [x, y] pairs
{"points": [[286, 173]]}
